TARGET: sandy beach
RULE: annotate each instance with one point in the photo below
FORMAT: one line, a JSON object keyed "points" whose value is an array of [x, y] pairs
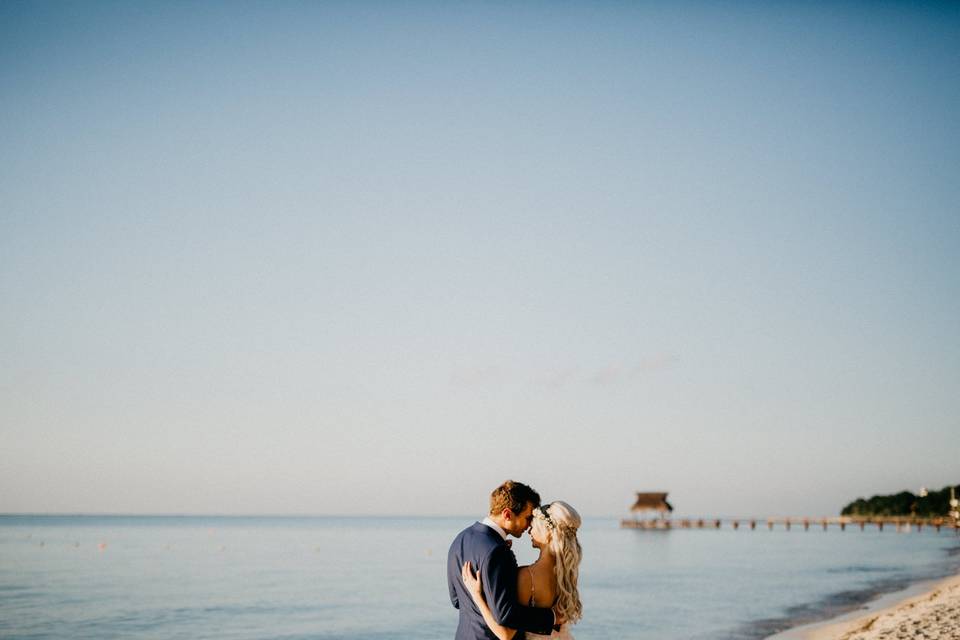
{"points": [[935, 613]]}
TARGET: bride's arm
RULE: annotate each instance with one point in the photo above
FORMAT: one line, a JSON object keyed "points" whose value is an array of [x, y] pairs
{"points": [[475, 589]]}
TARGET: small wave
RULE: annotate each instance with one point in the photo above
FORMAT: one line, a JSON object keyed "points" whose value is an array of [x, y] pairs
{"points": [[831, 606], [863, 569], [841, 602]]}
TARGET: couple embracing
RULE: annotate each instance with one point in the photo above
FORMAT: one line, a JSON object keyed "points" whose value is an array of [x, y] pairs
{"points": [[497, 599]]}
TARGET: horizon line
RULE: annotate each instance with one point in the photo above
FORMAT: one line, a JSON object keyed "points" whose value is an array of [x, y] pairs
{"points": [[474, 516]]}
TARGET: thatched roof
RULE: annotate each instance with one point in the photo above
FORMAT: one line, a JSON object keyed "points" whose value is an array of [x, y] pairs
{"points": [[651, 502]]}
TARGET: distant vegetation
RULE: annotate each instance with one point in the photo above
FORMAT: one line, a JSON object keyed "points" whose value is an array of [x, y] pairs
{"points": [[935, 503]]}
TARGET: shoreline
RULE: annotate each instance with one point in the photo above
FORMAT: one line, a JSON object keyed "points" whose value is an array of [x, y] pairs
{"points": [[928, 609]]}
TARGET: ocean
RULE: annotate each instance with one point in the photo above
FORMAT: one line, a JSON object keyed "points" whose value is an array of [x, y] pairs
{"points": [[373, 578]]}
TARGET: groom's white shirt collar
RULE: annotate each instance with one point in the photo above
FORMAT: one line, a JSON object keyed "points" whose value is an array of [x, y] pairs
{"points": [[493, 525]]}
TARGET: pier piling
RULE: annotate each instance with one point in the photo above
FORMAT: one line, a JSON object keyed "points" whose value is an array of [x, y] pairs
{"points": [[903, 524]]}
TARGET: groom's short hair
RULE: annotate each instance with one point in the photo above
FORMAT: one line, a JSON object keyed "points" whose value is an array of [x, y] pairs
{"points": [[514, 496]]}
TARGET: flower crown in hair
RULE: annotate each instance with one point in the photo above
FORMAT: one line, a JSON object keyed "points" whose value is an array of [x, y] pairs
{"points": [[540, 513]]}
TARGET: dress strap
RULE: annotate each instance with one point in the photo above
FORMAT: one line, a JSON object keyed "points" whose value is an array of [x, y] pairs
{"points": [[530, 569]]}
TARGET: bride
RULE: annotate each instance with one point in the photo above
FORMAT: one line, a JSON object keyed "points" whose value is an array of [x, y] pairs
{"points": [[551, 581]]}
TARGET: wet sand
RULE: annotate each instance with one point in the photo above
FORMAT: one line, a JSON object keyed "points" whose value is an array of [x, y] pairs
{"points": [[932, 614]]}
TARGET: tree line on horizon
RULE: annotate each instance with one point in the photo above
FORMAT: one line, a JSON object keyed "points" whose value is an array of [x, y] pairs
{"points": [[905, 503]]}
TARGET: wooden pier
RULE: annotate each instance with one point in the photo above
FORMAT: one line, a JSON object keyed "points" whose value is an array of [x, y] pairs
{"points": [[891, 523]]}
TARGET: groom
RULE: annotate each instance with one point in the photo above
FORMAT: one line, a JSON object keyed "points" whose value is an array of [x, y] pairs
{"points": [[485, 546]]}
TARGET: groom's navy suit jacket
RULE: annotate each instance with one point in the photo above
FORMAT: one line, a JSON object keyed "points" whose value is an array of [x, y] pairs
{"points": [[490, 556]]}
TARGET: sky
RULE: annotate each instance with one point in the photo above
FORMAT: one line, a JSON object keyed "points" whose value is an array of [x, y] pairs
{"points": [[376, 258]]}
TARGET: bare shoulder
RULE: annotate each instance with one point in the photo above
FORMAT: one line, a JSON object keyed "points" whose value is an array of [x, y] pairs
{"points": [[541, 584], [523, 584], [545, 583]]}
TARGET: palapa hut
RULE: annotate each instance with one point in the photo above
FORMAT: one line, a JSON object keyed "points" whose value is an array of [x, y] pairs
{"points": [[656, 502]]}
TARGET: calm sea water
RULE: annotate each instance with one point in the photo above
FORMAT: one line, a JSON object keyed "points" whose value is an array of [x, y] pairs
{"points": [[374, 578]]}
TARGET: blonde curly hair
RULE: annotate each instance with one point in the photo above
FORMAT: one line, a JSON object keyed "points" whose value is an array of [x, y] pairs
{"points": [[562, 521]]}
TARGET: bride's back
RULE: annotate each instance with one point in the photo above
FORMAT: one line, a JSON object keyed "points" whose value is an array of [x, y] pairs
{"points": [[537, 586]]}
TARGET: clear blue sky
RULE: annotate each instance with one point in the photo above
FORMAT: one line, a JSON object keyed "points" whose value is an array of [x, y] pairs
{"points": [[377, 257]]}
